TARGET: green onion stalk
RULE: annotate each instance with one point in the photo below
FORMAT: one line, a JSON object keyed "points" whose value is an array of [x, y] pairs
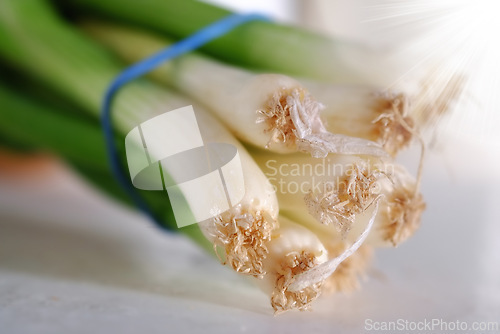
{"points": [[260, 45], [29, 123]]}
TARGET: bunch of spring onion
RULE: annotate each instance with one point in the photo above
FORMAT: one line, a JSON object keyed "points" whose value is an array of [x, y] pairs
{"points": [[295, 245], [81, 70], [381, 118], [281, 110], [266, 110], [292, 250], [278, 48], [288, 115]]}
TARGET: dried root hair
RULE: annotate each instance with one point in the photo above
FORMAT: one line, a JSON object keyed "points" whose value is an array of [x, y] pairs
{"points": [[391, 127], [294, 264], [292, 117], [403, 215], [323, 271], [283, 125], [405, 204], [400, 116], [339, 203], [243, 236]]}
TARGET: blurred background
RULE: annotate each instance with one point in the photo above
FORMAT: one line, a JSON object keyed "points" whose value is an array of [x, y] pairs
{"points": [[73, 260]]}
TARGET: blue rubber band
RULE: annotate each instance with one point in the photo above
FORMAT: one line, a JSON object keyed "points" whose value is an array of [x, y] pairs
{"points": [[191, 43]]}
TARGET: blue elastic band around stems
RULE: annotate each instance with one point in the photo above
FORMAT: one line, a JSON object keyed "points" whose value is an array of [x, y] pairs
{"points": [[191, 43]]}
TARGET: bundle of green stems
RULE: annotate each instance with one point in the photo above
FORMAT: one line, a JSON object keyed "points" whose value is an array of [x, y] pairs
{"points": [[314, 125]]}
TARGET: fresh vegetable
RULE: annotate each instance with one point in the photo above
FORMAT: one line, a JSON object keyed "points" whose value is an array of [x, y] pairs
{"points": [[267, 110], [292, 250], [322, 234], [273, 47], [381, 116], [259, 45], [28, 122], [330, 195], [75, 66]]}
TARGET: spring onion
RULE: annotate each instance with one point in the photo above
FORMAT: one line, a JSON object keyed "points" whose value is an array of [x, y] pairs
{"points": [[321, 236], [292, 250], [266, 110], [365, 112], [259, 45], [331, 195], [78, 68], [300, 53], [79, 142]]}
